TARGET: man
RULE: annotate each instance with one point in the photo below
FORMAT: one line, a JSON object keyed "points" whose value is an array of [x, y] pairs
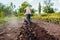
{"points": [[28, 14]]}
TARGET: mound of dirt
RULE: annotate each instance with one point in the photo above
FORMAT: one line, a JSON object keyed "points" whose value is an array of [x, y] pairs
{"points": [[34, 32]]}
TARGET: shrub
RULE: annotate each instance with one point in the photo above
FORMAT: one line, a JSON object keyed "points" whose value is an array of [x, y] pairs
{"points": [[44, 14]]}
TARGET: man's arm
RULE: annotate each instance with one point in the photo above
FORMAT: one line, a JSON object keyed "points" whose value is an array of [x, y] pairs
{"points": [[25, 11]]}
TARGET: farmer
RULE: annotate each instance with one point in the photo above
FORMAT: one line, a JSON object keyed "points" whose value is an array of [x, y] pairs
{"points": [[28, 14]]}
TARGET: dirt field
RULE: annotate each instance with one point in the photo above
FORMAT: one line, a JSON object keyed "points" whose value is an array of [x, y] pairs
{"points": [[43, 30]]}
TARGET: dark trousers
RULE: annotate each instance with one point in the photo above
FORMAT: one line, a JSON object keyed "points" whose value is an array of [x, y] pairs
{"points": [[28, 18]]}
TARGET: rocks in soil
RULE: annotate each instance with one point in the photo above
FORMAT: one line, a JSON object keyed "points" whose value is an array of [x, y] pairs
{"points": [[26, 32], [34, 32]]}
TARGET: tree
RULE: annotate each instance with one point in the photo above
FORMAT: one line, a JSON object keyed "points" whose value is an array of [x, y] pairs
{"points": [[39, 8], [48, 8], [12, 6], [6, 10], [2, 7], [9, 9], [33, 10], [23, 6]]}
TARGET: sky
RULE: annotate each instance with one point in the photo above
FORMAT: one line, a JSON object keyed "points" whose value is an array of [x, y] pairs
{"points": [[34, 3]]}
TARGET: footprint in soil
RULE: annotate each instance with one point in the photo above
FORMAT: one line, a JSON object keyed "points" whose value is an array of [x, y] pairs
{"points": [[34, 32]]}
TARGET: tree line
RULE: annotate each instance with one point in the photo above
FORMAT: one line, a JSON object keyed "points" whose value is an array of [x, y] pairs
{"points": [[9, 10]]}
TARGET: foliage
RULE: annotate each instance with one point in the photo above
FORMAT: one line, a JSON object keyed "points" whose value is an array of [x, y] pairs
{"points": [[2, 15], [6, 10], [2, 7], [54, 17], [33, 10], [23, 6], [21, 10], [39, 8], [48, 8], [45, 14], [19, 14]]}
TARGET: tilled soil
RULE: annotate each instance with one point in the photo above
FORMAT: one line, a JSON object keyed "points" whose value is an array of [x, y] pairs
{"points": [[19, 30], [34, 32]]}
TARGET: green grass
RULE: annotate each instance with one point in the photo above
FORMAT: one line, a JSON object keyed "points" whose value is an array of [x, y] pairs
{"points": [[45, 15], [7, 19], [2, 21], [10, 18], [54, 17]]}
